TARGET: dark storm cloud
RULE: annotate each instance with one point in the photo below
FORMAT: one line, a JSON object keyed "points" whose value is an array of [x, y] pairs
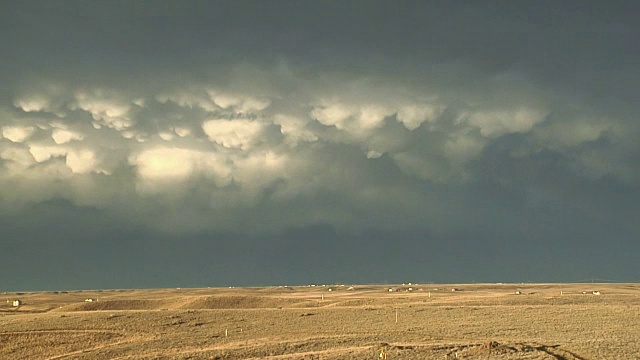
{"points": [[247, 143]]}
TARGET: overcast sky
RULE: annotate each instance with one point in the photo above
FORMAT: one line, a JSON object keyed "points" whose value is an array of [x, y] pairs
{"points": [[161, 144]]}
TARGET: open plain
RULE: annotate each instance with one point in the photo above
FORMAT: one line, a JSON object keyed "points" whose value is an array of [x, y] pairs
{"points": [[417, 321]]}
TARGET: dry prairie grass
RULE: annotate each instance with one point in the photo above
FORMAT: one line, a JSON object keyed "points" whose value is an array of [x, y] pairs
{"points": [[483, 321]]}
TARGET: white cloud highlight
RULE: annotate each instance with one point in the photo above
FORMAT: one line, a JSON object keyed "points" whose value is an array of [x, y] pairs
{"points": [[43, 153], [496, 123], [17, 134], [356, 119], [182, 131], [169, 165], [33, 104], [61, 136], [233, 134], [81, 161], [412, 116], [166, 136], [242, 104], [104, 110], [295, 128], [372, 154]]}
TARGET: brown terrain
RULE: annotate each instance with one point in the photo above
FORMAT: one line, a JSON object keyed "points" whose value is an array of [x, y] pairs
{"points": [[479, 321]]}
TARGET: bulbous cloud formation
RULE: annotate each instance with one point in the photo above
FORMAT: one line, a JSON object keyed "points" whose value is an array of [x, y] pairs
{"points": [[221, 117]]}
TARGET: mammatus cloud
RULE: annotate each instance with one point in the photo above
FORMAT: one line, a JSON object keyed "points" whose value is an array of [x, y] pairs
{"points": [[109, 110], [44, 153], [62, 136], [17, 134], [173, 165], [251, 152], [295, 128], [232, 134], [501, 122], [240, 104]]}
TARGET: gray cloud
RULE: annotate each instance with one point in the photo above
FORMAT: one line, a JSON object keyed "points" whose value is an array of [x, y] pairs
{"points": [[291, 137]]}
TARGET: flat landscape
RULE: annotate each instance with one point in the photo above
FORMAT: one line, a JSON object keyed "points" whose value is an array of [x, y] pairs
{"points": [[417, 321]]}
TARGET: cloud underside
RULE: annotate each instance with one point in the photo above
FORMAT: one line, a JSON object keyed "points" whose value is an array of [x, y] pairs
{"points": [[347, 150]]}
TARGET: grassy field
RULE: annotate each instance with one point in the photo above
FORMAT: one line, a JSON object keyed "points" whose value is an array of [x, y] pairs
{"points": [[479, 321]]}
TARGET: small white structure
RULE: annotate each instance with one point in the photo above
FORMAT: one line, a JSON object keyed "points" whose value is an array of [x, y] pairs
{"points": [[455, 289], [518, 292], [17, 302], [596, 293], [89, 300]]}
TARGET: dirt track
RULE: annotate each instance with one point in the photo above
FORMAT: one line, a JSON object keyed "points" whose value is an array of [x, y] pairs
{"points": [[480, 321]]}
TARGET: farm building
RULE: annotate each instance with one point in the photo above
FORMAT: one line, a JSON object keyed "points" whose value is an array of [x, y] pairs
{"points": [[17, 302]]}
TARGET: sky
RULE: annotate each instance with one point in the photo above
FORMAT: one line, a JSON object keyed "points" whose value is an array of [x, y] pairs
{"points": [[245, 143]]}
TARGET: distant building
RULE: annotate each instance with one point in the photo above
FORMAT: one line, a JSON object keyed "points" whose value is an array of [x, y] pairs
{"points": [[17, 302], [89, 300]]}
